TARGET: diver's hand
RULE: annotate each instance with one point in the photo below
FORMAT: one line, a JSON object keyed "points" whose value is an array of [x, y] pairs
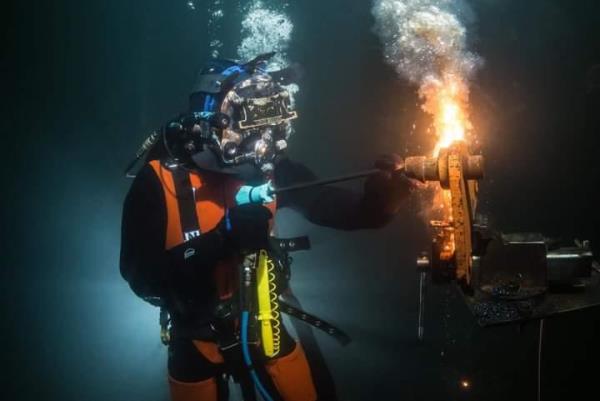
{"points": [[390, 163], [390, 188], [246, 227]]}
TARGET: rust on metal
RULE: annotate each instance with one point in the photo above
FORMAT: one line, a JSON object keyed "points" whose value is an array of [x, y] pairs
{"points": [[457, 171]]}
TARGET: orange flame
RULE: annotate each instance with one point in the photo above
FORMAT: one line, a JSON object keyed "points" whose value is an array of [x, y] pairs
{"points": [[447, 102]]}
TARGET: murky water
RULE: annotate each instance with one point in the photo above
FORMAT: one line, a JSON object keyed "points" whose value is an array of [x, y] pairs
{"points": [[86, 82]]}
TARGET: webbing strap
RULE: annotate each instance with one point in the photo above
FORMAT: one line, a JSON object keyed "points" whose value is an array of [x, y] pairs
{"points": [[292, 244], [190, 226], [314, 321]]}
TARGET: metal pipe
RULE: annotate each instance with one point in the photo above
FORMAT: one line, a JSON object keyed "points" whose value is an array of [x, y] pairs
{"points": [[432, 168]]}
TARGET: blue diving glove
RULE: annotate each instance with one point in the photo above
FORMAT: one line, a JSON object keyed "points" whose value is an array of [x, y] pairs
{"points": [[260, 195]]}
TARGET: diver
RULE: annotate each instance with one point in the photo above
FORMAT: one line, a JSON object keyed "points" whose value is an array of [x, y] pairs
{"points": [[203, 202]]}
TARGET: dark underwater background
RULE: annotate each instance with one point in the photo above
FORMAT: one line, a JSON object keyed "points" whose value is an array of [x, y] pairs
{"points": [[83, 83]]}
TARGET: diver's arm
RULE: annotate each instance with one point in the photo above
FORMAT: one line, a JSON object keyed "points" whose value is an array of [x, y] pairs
{"points": [[153, 273], [338, 207]]}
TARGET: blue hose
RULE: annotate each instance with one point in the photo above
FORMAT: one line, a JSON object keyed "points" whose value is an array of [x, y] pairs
{"points": [[248, 361], [227, 220]]}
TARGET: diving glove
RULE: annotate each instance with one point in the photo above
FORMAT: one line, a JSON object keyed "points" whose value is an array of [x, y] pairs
{"points": [[260, 195], [390, 163], [389, 189]]}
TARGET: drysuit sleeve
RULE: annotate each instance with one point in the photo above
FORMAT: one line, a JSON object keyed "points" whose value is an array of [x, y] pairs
{"points": [[338, 207], [153, 273]]}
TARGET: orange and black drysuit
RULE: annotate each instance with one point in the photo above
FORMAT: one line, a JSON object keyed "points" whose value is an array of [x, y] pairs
{"points": [[172, 255]]}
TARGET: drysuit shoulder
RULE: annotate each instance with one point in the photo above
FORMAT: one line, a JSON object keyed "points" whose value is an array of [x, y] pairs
{"points": [[142, 257]]}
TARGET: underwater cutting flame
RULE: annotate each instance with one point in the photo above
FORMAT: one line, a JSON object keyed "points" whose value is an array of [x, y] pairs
{"points": [[447, 102], [448, 105], [426, 42], [454, 129]]}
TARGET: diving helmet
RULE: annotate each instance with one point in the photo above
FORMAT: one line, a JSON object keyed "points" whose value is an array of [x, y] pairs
{"points": [[253, 110]]}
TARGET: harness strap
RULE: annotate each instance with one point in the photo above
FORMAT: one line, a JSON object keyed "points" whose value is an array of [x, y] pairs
{"points": [[190, 226], [312, 320], [206, 332]]}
